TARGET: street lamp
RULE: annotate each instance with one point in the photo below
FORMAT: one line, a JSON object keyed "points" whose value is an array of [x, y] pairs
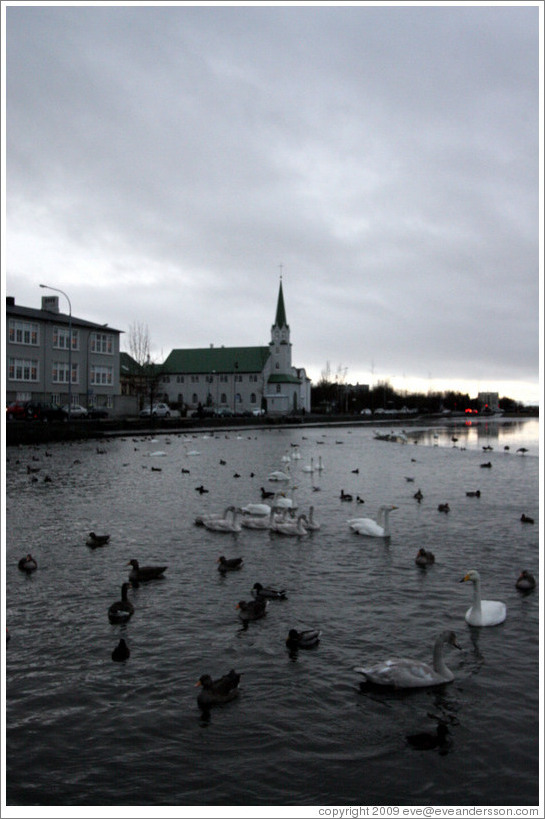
{"points": [[234, 387], [56, 289]]}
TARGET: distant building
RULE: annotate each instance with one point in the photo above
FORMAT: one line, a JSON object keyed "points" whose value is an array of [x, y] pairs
{"points": [[38, 357], [239, 379], [489, 401]]}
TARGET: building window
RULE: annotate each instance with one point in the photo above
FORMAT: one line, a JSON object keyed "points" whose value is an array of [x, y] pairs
{"points": [[238, 378], [253, 398], [179, 379], [223, 399], [102, 375], [101, 343], [23, 332], [224, 379], [194, 379], [61, 336], [277, 365], [22, 369], [195, 398], [278, 388], [166, 379], [60, 372], [180, 398]]}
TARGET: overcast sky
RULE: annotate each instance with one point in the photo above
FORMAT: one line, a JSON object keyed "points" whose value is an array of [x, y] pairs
{"points": [[164, 162]]}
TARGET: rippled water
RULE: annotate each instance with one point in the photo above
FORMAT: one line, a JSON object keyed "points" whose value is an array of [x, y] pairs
{"points": [[83, 730]]}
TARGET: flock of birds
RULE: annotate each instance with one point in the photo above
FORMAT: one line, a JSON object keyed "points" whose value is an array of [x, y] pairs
{"points": [[277, 513]]}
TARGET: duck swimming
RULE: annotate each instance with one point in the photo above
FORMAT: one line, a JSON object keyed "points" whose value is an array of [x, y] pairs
{"points": [[404, 673], [229, 564], [426, 741], [483, 612], [215, 692], [476, 494], [28, 564], [424, 558], [123, 609], [121, 652], [525, 519], [303, 639], [266, 592], [95, 541], [525, 581], [140, 574], [253, 610]]}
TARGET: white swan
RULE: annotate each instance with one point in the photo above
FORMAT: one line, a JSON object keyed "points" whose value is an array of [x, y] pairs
{"points": [[483, 612], [257, 509], [320, 464], [309, 467], [282, 501], [311, 524], [292, 528], [372, 528], [200, 520], [404, 673], [278, 475], [259, 521], [226, 524]]}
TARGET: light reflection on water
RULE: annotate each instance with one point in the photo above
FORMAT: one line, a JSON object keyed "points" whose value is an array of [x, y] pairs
{"points": [[96, 732]]}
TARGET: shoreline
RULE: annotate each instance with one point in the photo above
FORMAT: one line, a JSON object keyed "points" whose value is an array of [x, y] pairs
{"points": [[28, 433]]}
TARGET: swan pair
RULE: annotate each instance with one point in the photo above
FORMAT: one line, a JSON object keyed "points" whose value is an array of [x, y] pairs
{"points": [[372, 528]]}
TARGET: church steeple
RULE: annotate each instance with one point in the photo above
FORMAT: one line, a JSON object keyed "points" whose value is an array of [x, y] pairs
{"points": [[280, 320]]}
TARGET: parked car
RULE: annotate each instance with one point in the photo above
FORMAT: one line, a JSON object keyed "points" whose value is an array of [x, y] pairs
{"points": [[97, 412], [157, 411], [77, 411], [36, 411], [366, 411], [15, 411], [225, 412], [258, 412]]}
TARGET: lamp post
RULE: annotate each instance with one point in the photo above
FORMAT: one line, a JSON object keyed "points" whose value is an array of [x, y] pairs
{"points": [[56, 289], [234, 387]]}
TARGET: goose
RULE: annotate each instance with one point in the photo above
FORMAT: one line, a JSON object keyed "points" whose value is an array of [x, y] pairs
{"points": [[483, 612], [344, 496], [266, 493], [487, 465], [123, 609], [426, 741], [292, 528], [418, 495], [443, 507], [218, 691], [229, 564], [121, 652], [526, 581], [303, 639], [28, 564], [525, 519], [424, 558], [371, 528], [225, 524], [266, 592], [475, 494], [253, 609], [94, 540], [404, 673], [139, 574]]}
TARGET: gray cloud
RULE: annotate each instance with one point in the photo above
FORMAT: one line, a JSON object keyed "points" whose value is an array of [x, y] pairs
{"points": [[164, 161]]}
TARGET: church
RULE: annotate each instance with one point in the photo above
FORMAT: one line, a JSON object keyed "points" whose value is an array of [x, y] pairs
{"points": [[236, 380]]}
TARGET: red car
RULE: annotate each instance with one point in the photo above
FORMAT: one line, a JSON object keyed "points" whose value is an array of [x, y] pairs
{"points": [[15, 411]]}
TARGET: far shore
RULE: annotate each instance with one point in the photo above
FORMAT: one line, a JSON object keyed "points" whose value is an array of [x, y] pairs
{"points": [[20, 433]]}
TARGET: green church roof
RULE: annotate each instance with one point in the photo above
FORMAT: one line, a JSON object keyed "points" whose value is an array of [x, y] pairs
{"points": [[218, 359]]}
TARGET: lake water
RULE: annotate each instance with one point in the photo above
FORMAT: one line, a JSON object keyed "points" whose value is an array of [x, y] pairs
{"points": [[82, 730]]}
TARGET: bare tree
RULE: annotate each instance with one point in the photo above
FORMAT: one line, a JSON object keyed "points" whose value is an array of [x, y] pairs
{"points": [[147, 380]]}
